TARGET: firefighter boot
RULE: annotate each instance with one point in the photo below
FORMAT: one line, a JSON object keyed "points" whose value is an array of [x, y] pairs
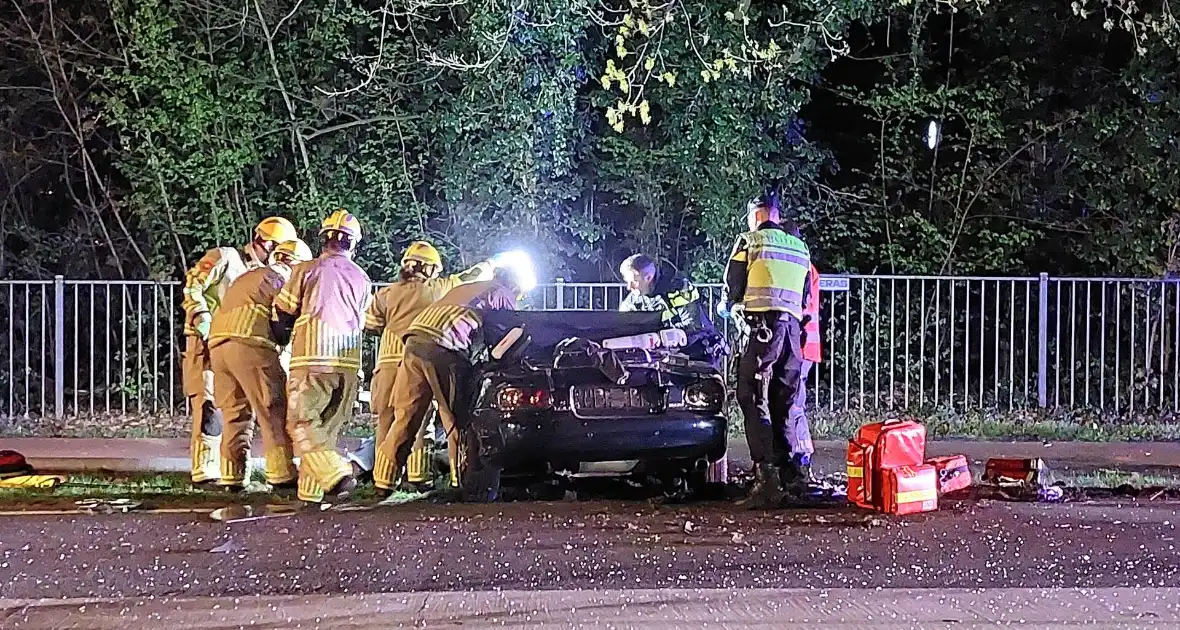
{"points": [[767, 491], [206, 460], [796, 478]]}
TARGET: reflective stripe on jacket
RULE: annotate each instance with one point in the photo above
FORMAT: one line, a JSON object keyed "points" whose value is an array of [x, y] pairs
{"points": [[776, 270], [206, 283], [396, 306], [454, 321], [328, 298], [812, 350], [246, 309]]}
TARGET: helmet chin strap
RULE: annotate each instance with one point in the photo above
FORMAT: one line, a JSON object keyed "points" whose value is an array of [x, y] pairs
{"points": [[253, 250]]}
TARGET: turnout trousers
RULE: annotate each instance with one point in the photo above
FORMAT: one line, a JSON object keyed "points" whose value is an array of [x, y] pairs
{"points": [[319, 402], [384, 385], [428, 373], [249, 384], [769, 376], [205, 433]]}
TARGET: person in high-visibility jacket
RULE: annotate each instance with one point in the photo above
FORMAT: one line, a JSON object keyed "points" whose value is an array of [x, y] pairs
{"points": [[436, 364], [798, 428], [393, 310], [204, 287], [322, 308], [766, 276], [249, 380], [657, 288]]}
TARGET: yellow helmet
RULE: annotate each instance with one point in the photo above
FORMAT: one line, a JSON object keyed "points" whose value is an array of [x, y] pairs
{"points": [[422, 252], [343, 222], [275, 230], [292, 252]]}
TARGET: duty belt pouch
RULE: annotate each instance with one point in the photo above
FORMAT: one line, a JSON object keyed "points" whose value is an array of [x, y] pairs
{"points": [[954, 473], [910, 490]]}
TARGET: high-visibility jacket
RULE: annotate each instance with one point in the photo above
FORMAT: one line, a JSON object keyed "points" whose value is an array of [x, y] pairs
{"points": [[246, 308], [812, 350], [396, 306], [327, 298], [454, 321], [206, 283], [774, 267], [679, 303]]}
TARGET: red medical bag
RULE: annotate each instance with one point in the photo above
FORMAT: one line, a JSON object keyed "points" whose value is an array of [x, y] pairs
{"points": [[877, 447], [1002, 470], [909, 489], [953, 473]]}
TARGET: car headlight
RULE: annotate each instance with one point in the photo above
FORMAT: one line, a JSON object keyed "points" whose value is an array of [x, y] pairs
{"points": [[706, 395]]}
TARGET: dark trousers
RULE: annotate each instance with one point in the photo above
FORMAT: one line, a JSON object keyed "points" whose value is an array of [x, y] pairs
{"points": [[768, 380]]}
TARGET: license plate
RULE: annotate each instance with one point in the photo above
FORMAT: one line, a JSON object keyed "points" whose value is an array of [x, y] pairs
{"points": [[607, 400]]}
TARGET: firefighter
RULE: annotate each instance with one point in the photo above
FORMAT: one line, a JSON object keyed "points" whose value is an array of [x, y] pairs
{"points": [[205, 285], [322, 310], [249, 380], [766, 276], [659, 289], [393, 310], [435, 365]]}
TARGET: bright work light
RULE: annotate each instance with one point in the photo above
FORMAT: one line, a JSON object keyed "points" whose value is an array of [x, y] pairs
{"points": [[521, 265]]}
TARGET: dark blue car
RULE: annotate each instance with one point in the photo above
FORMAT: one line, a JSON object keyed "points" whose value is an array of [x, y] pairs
{"points": [[548, 400]]}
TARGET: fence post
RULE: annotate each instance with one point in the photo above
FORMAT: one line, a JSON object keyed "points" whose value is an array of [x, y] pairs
{"points": [[1043, 341], [59, 346], [559, 285]]}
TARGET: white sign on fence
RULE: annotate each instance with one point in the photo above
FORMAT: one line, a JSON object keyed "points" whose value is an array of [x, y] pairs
{"points": [[833, 284]]}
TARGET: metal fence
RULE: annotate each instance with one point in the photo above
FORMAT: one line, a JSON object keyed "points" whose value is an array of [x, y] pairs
{"points": [[897, 342]]}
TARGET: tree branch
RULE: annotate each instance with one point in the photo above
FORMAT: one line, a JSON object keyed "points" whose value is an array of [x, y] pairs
{"points": [[274, 66]]}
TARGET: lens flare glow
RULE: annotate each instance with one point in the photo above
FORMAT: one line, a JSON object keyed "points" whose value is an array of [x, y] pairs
{"points": [[521, 265]]}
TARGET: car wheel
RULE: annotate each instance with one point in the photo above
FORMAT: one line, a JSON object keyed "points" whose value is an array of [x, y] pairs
{"points": [[479, 478]]}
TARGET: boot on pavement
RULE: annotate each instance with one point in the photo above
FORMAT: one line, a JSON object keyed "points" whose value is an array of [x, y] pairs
{"points": [[799, 484], [767, 491], [343, 489]]}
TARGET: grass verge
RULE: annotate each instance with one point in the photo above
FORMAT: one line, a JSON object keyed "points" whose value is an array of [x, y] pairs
{"points": [[161, 490], [826, 424], [990, 424]]}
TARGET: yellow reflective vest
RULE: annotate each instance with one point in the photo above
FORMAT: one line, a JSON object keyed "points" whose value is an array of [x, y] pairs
{"points": [[776, 271]]}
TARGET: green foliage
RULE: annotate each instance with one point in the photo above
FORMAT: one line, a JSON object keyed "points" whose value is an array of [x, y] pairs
{"points": [[587, 131], [1031, 172]]}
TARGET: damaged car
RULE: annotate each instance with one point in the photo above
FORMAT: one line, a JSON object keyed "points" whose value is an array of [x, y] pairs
{"points": [[572, 394]]}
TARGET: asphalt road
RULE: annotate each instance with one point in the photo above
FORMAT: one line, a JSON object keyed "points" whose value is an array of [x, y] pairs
{"points": [[589, 545]]}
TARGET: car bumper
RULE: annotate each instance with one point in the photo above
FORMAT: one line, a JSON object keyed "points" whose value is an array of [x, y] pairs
{"points": [[561, 437]]}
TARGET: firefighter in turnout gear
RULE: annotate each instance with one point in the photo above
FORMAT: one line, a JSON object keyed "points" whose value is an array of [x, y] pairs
{"points": [[393, 310], [658, 289], [322, 309], [249, 381], [436, 363], [766, 276], [205, 286]]}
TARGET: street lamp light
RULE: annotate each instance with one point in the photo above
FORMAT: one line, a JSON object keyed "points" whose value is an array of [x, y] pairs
{"points": [[933, 135]]}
